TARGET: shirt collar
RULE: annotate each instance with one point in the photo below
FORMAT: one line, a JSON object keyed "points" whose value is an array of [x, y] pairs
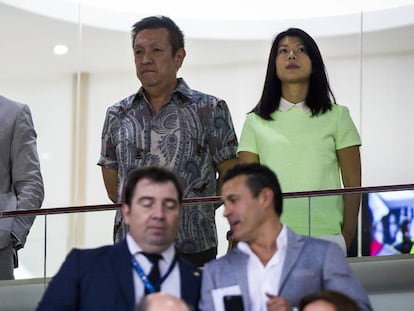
{"points": [[281, 243], [285, 105], [135, 249], [182, 89]]}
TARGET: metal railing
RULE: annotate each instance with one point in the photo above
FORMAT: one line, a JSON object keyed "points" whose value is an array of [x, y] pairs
{"points": [[212, 199]]}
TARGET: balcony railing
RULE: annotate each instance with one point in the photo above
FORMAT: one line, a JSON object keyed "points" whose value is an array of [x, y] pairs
{"points": [[62, 228]]}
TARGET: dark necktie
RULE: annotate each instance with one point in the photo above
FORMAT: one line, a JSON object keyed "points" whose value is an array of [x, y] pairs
{"points": [[154, 275]]}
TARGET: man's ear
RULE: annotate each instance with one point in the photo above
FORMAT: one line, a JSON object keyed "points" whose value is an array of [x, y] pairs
{"points": [[179, 58], [266, 197], [125, 212]]}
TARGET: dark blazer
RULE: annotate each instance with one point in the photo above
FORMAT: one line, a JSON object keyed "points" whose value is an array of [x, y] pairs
{"points": [[101, 279], [310, 265]]}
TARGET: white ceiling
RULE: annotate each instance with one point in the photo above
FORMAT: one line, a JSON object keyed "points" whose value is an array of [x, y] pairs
{"points": [[230, 19], [27, 40]]}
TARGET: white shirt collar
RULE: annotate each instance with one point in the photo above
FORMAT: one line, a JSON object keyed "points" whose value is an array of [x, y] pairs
{"points": [[281, 243], [135, 249], [285, 105]]}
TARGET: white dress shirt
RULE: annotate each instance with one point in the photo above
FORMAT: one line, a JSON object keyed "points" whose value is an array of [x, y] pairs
{"points": [[171, 285], [264, 279]]}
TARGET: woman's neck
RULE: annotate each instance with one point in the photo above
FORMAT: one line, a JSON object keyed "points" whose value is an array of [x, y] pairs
{"points": [[295, 93]]}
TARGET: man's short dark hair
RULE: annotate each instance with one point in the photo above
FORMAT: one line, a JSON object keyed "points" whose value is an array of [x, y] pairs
{"points": [[258, 178], [153, 22], [154, 173]]}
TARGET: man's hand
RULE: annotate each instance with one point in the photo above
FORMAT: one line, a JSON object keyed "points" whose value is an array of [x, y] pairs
{"points": [[276, 303]]}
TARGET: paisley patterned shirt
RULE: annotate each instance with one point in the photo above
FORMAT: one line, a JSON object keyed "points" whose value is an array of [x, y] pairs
{"points": [[191, 135]]}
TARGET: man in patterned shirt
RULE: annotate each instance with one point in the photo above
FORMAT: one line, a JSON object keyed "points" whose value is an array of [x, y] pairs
{"points": [[168, 124]]}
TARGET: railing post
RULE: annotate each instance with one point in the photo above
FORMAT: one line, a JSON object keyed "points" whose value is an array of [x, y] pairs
{"points": [[45, 254]]}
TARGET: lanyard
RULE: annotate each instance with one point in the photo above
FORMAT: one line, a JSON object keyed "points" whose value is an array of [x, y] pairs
{"points": [[144, 278]]}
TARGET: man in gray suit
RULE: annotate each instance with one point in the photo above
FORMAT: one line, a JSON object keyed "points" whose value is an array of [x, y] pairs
{"points": [[272, 267], [21, 184]]}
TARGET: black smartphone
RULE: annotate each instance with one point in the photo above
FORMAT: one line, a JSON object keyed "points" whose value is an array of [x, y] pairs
{"points": [[233, 303]]}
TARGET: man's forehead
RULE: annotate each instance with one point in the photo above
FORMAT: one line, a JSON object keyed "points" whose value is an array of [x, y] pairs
{"points": [[152, 35], [150, 187], [235, 184]]}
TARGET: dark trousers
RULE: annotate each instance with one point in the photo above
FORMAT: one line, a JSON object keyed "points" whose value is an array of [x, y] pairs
{"points": [[6, 263]]}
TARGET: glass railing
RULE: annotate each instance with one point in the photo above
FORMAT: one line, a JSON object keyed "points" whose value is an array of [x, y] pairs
{"points": [[385, 222], [385, 226]]}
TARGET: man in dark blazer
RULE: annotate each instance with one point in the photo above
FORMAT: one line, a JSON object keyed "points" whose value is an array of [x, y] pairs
{"points": [[116, 277], [21, 183], [272, 267]]}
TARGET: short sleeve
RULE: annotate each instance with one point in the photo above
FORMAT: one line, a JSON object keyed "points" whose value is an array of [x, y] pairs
{"points": [[108, 157], [347, 134], [248, 135]]}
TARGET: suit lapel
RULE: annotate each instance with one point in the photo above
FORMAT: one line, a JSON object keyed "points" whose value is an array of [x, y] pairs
{"points": [[121, 263], [190, 280], [295, 244], [185, 281], [238, 263]]}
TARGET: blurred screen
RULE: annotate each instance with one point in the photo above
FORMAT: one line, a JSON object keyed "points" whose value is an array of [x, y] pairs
{"points": [[388, 223]]}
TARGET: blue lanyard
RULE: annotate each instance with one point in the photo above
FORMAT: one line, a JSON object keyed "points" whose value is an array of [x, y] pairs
{"points": [[144, 278]]}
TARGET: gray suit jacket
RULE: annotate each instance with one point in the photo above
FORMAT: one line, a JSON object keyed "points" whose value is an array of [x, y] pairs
{"points": [[310, 265], [21, 184]]}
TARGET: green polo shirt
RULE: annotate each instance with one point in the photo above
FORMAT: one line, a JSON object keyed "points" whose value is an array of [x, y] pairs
{"points": [[301, 150]]}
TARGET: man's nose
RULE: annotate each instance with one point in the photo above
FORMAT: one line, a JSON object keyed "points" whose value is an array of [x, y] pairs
{"points": [[158, 211], [226, 211], [147, 58]]}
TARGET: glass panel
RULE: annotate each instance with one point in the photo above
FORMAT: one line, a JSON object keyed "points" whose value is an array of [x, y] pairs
{"points": [[33, 74], [387, 79], [76, 230], [32, 255], [62, 232]]}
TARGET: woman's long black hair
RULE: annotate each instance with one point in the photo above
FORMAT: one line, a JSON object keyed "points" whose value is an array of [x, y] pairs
{"points": [[319, 98]]}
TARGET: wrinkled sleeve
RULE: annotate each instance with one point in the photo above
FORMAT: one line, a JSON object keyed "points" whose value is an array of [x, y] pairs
{"points": [[26, 176], [108, 157]]}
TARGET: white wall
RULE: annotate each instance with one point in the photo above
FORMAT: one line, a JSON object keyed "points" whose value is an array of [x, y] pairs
{"points": [[387, 119], [50, 100]]}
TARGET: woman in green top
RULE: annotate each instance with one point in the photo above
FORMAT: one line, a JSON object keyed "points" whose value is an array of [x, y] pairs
{"points": [[309, 141]]}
